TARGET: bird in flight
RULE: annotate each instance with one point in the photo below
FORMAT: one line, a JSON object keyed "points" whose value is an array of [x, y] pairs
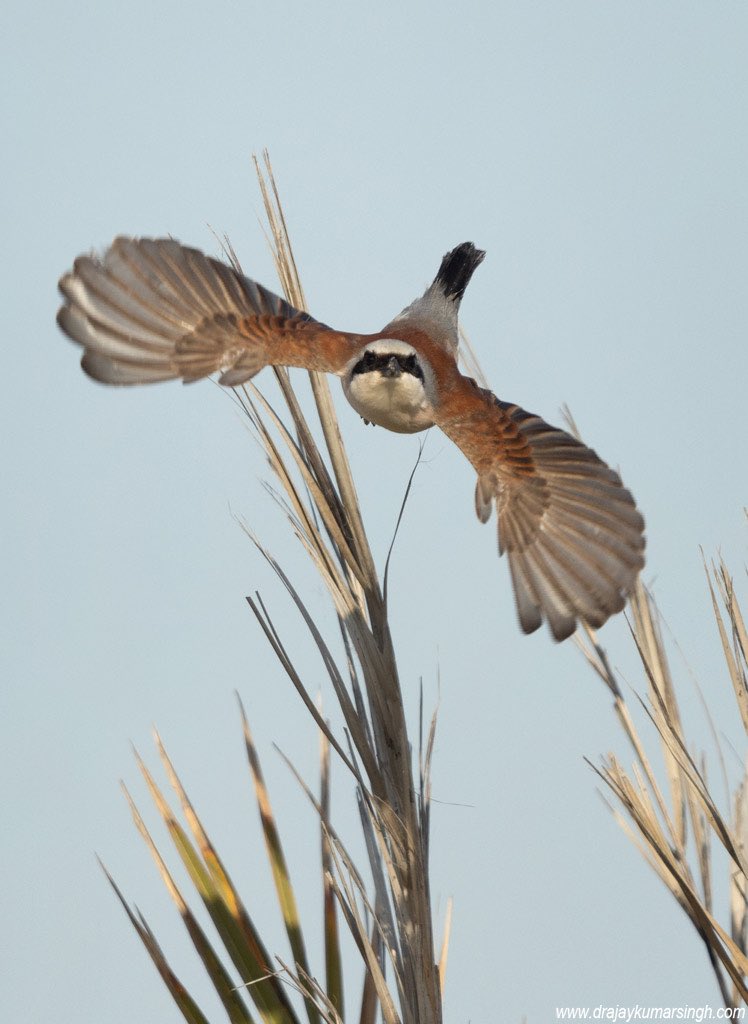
{"points": [[153, 310]]}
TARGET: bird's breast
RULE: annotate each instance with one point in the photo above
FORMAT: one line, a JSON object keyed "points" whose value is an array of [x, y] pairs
{"points": [[396, 403]]}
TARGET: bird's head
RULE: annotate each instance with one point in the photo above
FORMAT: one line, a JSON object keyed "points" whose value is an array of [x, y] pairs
{"points": [[388, 358]]}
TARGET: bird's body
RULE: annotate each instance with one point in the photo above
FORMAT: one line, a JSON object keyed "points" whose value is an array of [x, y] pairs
{"points": [[153, 310]]}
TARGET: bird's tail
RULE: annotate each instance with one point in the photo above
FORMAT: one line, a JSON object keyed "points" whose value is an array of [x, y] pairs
{"points": [[456, 269], [436, 310]]}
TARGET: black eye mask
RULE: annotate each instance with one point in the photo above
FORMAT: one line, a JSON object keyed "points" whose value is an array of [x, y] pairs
{"points": [[379, 360]]}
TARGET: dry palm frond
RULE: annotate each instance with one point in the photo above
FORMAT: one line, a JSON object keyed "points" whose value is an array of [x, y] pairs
{"points": [[470, 361], [390, 922], [659, 827], [394, 813], [676, 834]]}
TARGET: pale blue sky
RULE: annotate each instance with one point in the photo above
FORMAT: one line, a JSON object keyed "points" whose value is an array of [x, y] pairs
{"points": [[598, 151]]}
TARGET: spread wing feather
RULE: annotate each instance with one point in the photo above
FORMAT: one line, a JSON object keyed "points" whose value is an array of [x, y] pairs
{"points": [[150, 310], [571, 531]]}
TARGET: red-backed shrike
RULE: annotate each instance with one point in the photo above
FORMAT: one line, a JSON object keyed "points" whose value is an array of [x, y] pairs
{"points": [[152, 310]]}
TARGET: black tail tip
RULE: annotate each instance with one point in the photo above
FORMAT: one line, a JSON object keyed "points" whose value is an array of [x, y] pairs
{"points": [[456, 269]]}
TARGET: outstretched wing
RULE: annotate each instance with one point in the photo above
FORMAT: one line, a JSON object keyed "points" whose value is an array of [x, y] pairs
{"points": [[151, 309], [572, 533]]}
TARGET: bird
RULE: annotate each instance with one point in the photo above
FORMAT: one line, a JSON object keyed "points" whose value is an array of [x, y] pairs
{"points": [[151, 309]]}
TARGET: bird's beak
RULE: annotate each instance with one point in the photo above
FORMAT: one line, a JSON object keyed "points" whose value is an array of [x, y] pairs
{"points": [[392, 369]]}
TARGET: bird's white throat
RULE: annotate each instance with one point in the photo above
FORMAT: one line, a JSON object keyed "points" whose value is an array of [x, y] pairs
{"points": [[397, 403]]}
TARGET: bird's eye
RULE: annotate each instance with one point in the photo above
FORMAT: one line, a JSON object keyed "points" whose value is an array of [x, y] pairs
{"points": [[367, 362], [411, 365]]}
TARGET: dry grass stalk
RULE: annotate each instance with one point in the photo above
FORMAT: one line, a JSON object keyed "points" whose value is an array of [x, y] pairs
{"points": [[676, 834], [394, 813], [391, 923]]}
